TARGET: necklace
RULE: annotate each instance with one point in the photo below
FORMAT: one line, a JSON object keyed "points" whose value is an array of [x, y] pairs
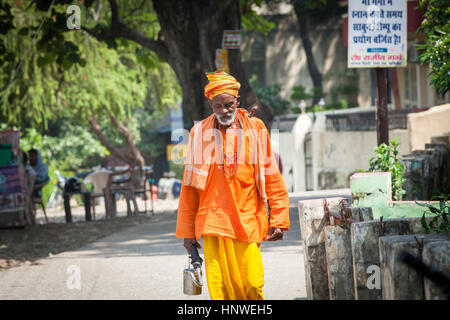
{"points": [[229, 168]]}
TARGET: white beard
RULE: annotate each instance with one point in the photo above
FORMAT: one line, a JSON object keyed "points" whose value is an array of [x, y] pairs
{"points": [[227, 121]]}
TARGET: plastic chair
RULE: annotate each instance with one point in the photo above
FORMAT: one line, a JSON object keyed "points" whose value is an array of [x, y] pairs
{"points": [[122, 185], [99, 181], [142, 183]]}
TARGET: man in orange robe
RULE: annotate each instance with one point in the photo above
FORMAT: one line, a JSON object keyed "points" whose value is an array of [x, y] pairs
{"points": [[230, 174]]}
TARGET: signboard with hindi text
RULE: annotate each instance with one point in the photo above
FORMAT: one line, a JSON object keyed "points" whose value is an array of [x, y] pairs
{"points": [[377, 33], [231, 39]]}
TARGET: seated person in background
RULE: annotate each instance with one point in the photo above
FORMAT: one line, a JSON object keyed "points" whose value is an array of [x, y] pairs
{"points": [[28, 169], [41, 170]]}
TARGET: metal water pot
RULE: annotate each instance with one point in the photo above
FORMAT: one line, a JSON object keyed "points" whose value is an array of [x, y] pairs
{"points": [[192, 277]]}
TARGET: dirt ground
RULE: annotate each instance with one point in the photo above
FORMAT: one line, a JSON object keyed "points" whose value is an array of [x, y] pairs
{"points": [[27, 245]]}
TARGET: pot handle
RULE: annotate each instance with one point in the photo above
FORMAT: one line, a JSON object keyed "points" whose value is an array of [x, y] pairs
{"points": [[197, 283]]}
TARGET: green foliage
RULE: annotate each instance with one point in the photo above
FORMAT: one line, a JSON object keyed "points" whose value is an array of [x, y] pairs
{"points": [[318, 10], [439, 223], [387, 159], [340, 96], [270, 95], [71, 74], [299, 93], [178, 168], [6, 18], [335, 104], [436, 50], [70, 150], [74, 148], [252, 21], [343, 94]]}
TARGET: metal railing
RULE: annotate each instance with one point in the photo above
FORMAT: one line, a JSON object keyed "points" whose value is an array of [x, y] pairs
{"points": [[366, 121]]}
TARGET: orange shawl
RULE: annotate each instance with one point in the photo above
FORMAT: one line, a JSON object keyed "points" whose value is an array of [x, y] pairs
{"points": [[200, 151]]}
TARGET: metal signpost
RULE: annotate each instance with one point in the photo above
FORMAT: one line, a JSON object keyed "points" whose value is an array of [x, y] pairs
{"points": [[377, 39]]}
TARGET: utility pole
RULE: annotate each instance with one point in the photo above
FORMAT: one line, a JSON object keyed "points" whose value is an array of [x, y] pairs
{"points": [[382, 117]]}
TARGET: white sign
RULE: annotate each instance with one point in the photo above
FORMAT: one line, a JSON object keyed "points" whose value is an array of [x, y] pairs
{"points": [[231, 39], [377, 33]]}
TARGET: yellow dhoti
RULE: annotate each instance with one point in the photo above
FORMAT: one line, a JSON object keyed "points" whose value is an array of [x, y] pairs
{"points": [[234, 269]]}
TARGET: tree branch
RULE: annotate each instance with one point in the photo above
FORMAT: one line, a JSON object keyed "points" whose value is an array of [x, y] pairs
{"points": [[115, 18], [99, 36], [125, 132], [120, 30], [104, 141], [136, 9]]}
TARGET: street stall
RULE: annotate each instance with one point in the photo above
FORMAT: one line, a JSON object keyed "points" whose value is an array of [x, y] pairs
{"points": [[14, 198]]}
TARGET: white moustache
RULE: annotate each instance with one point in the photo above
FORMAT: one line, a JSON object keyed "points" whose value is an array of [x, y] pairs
{"points": [[226, 120]]}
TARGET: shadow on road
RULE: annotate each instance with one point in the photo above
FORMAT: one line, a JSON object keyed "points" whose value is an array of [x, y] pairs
{"points": [[157, 237]]}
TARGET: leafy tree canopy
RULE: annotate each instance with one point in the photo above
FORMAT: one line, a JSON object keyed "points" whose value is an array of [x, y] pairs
{"points": [[68, 73], [436, 50]]}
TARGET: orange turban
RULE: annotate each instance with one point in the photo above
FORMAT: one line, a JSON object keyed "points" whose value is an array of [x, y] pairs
{"points": [[221, 82]]}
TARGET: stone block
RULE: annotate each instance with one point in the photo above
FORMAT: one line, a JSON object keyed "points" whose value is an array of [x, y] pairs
{"points": [[398, 280], [339, 263], [361, 213], [414, 178], [427, 171], [312, 223], [339, 255], [441, 139], [365, 252], [436, 255]]}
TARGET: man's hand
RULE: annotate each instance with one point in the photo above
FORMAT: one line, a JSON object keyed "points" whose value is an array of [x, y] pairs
{"points": [[188, 242], [274, 234]]}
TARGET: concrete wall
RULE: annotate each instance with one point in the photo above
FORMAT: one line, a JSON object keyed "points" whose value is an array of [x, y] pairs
{"points": [[424, 125], [279, 58], [400, 281], [286, 59], [337, 155], [312, 222], [301, 128], [288, 156], [374, 190], [342, 253], [425, 95], [436, 255], [428, 171]]}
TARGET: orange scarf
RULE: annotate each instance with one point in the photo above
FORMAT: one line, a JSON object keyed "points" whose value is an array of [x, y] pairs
{"points": [[200, 151]]}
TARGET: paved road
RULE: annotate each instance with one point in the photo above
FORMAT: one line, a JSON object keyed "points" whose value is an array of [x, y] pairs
{"points": [[144, 262]]}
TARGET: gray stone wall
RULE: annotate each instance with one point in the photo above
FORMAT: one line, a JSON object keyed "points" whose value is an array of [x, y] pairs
{"points": [[428, 171], [348, 255], [398, 280]]}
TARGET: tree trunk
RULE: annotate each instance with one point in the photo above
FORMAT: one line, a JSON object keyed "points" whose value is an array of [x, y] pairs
{"points": [[192, 31], [314, 72], [138, 159], [134, 157]]}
